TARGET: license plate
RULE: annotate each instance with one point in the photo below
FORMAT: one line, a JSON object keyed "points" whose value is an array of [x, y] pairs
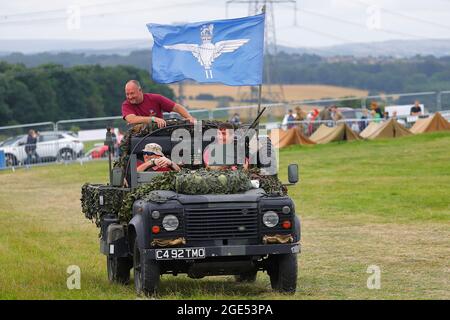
{"points": [[184, 253]]}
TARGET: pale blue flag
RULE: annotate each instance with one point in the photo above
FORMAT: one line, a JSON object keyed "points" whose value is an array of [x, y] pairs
{"points": [[226, 51]]}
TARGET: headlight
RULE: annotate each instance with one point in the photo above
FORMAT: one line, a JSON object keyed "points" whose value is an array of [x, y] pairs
{"points": [[170, 222], [270, 219], [155, 214], [286, 209]]}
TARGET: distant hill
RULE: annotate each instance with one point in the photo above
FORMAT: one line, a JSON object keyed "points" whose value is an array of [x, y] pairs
{"points": [[139, 59], [77, 46], [394, 48]]}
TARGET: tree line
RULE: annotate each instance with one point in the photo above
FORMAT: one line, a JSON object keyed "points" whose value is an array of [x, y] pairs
{"points": [[383, 74], [52, 92], [386, 74]]}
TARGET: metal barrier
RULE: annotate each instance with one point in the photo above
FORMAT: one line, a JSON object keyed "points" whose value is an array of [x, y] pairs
{"points": [[433, 102], [8, 132], [76, 125], [444, 100], [446, 114], [58, 150], [50, 147]]}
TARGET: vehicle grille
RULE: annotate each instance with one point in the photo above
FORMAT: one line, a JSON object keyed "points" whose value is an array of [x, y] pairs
{"points": [[221, 223]]}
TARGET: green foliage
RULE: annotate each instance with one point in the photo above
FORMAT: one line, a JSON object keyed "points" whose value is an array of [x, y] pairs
{"points": [[355, 104], [204, 96], [74, 129], [161, 182], [204, 181], [419, 73], [98, 200], [52, 92]]}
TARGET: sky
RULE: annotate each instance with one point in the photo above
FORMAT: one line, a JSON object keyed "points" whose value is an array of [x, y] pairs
{"points": [[315, 23]]}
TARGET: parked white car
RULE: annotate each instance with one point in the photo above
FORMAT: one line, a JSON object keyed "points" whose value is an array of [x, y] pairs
{"points": [[50, 146]]}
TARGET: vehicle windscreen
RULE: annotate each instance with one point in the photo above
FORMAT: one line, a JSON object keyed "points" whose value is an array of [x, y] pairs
{"points": [[72, 134], [10, 141]]}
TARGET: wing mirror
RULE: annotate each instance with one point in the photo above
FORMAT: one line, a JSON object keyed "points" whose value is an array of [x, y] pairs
{"points": [[293, 173]]}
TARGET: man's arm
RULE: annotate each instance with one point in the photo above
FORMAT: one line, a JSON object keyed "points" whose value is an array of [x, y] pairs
{"points": [[178, 108], [134, 119]]}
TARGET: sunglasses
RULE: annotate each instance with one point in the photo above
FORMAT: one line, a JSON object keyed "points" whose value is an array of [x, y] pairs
{"points": [[148, 153]]}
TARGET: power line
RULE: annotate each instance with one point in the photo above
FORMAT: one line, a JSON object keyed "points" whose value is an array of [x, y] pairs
{"points": [[328, 17], [64, 9], [325, 34], [404, 15], [103, 14], [270, 42], [360, 25]]}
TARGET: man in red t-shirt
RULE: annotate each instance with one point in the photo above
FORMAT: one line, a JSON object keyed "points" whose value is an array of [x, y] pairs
{"points": [[142, 107]]}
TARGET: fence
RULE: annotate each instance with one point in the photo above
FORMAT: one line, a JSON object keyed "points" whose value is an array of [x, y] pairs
{"points": [[48, 146], [57, 145], [433, 101]]}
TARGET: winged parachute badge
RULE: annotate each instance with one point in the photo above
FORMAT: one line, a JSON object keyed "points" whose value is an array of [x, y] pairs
{"points": [[207, 51], [228, 51]]}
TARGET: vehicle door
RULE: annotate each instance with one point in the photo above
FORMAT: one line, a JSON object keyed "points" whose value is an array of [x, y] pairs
{"points": [[18, 149], [47, 145]]}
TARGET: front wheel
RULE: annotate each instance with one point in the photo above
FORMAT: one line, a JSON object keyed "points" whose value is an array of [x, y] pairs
{"points": [[146, 273], [118, 269], [66, 155], [283, 270], [11, 160]]}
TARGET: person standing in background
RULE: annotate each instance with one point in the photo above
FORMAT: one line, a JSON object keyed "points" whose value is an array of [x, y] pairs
{"points": [[416, 110], [30, 147]]}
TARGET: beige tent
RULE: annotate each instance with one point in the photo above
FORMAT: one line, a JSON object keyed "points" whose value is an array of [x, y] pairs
{"points": [[387, 129], [435, 123], [370, 129], [341, 132], [283, 138]]}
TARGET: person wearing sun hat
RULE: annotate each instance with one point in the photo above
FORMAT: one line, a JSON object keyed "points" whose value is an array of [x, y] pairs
{"points": [[154, 160]]}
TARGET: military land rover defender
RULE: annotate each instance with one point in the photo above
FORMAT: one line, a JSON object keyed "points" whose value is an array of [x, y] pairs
{"points": [[172, 232]]}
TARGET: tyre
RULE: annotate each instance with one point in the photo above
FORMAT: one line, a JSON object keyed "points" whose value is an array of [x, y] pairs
{"points": [[146, 274], [246, 276], [66, 155], [283, 270], [11, 160], [118, 269]]}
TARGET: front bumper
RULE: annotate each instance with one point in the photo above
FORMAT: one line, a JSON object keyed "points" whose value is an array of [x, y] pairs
{"points": [[235, 251]]}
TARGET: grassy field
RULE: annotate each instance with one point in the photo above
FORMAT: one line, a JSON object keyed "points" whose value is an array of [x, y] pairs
{"points": [[294, 92], [383, 203]]}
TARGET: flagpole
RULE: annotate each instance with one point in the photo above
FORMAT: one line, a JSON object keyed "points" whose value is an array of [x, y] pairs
{"points": [[263, 10], [259, 98]]}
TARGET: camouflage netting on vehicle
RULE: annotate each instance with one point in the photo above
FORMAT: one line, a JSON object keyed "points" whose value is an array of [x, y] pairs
{"points": [[205, 181], [97, 200], [186, 181], [164, 181], [271, 184]]}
